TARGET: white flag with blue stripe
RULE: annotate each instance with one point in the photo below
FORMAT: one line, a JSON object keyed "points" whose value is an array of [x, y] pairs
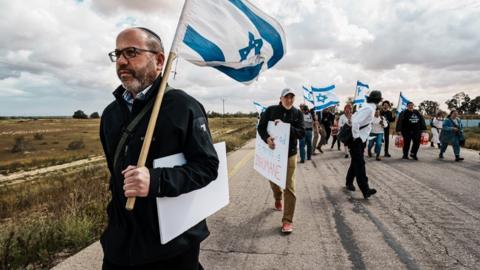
{"points": [[402, 103], [325, 97], [232, 36], [308, 95], [361, 94], [260, 108]]}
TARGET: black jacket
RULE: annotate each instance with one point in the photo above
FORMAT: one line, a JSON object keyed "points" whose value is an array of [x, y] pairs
{"points": [[410, 121], [327, 119], [132, 237], [293, 116], [389, 116]]}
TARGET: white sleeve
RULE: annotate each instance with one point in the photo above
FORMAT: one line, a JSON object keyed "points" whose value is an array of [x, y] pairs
{"points": [[360, 118]]}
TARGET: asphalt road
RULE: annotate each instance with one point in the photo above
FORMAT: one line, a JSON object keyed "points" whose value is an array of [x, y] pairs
{"points": [[426, 215]]}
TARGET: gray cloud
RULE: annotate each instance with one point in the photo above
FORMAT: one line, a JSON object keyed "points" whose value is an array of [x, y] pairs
{"points": [[53, 61]]}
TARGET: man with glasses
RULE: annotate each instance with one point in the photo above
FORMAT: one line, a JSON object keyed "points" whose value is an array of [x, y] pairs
{"points": [[131, 239]]}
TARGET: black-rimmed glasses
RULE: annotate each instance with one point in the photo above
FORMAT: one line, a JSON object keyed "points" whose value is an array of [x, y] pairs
{"points": [[128, 53]]}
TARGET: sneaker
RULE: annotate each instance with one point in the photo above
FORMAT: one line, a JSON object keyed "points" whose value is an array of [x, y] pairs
{"points": [[440, 156], [278, 205], [302, 161], [459, 158], [369, 154], [405, 157], [287, 227], [378, 158], [350, 187], [387, 155]]}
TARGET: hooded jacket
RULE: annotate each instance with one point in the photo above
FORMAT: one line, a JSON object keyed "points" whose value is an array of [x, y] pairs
{"points": [[132, 237]]}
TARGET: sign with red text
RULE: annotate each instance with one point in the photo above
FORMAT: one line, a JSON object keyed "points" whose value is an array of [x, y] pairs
{"points": [[272, 164]]}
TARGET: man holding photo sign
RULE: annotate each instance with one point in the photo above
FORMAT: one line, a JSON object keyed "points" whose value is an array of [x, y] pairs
{"points": [[284, 113]]}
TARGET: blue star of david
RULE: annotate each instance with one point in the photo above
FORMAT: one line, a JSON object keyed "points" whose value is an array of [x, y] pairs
{"points": [[321, 98], [252, 44]]}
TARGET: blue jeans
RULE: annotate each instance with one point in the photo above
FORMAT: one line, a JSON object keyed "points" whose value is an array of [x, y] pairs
{"points": [[455, 144], [308, 140], [378, 143]]}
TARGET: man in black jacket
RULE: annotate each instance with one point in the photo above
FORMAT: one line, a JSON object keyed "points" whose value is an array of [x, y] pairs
{"points": [[410, 125], [284, 112], [387, 113], [131, 239], [327, 121]]}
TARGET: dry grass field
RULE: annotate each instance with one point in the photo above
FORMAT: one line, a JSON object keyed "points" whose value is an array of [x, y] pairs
{"points": [[28, 144], [55, 214]]}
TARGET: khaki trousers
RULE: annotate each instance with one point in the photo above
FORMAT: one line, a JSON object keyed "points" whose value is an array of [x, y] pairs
{"points": [[289, 192]]}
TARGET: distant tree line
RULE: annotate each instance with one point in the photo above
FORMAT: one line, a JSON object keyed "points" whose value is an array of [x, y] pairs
{"points": [[460, 102], [81, 115]]}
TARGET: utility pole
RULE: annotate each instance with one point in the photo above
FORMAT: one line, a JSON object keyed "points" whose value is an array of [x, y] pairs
{"points": [[223, 114]]}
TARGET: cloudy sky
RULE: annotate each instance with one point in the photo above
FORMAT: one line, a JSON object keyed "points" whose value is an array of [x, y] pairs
{"points": [[53, 54]]}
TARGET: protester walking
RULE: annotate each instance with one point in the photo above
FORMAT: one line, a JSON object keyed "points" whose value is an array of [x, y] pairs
{"points": [[335, 129], [345, 118], [390, 118], [316, 131], [379, 124], [410, 125], [361, 127], [437, 124], [131, 239], [452, 133], [327, 122], [285, 112], [307, 140], [322, 137]]}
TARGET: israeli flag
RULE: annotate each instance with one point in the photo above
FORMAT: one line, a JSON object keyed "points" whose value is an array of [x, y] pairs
{"points": [[325, 97], [308, 95], [260, 108], [232, 36], [361, 94], [402, 103]]}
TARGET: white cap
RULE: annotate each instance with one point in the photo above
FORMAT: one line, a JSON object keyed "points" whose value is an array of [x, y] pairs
{"points": [[287, 91]]}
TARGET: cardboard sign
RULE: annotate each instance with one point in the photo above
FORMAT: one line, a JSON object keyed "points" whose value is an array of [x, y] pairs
{"points": [[272, 164]]}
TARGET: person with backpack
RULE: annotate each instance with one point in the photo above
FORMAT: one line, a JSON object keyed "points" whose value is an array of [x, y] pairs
{"points": [[360, 131], [452, 133], [410, 125]]}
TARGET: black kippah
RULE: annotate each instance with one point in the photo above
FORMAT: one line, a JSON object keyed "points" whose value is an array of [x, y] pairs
{"points": [[150, 32]]}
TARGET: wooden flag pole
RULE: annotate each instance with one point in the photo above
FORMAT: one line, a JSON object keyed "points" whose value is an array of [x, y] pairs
{"points": [[153, 120]]}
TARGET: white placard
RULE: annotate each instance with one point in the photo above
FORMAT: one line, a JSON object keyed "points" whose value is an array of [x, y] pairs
{"points": [[178, 214], [272, 164]]}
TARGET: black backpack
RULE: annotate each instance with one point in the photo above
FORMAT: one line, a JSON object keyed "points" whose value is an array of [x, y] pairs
{"points": [[345, 133]]}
